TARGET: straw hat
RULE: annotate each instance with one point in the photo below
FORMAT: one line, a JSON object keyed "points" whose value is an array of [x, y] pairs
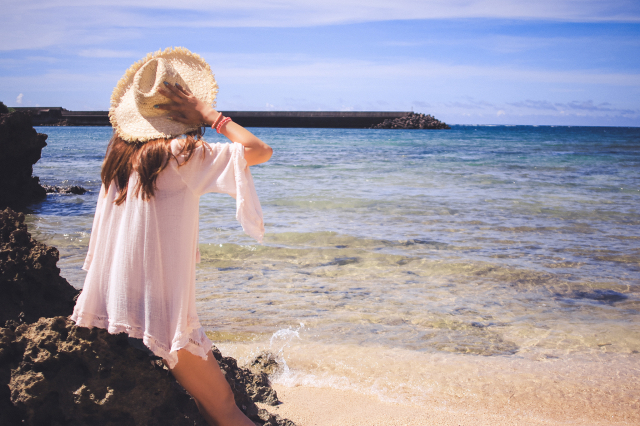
{"points": [[132, 113]]}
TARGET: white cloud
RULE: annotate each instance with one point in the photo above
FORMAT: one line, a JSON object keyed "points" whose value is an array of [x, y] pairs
{"points": [[306, 82], [41, 23], [421, 104], [19, 99], [94, 27], [307, 77], [236, 69], [291, 13], [107, 53], [540, 105], [580, 106]]}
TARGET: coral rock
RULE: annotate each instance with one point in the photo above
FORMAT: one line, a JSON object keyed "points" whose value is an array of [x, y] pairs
{"points": [[64, 374], [21, 147], [247, 383], [30, 283], [75, 189], [412, 121]]}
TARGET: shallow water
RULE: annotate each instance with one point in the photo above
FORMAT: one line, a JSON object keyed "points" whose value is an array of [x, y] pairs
{"points": [[508, 247]]}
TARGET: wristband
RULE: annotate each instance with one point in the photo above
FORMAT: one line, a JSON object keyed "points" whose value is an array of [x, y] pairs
{"points": [[215, 122], [222, 123]]}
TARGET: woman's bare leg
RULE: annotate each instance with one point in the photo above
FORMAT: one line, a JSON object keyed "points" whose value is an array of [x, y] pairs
{"points": [[206, 384]]}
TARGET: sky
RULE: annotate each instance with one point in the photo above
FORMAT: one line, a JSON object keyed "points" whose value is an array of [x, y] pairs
{"points": [[545, 62]]}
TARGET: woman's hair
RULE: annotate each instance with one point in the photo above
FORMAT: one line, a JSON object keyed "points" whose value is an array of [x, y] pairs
{"points": [[147, 159]]}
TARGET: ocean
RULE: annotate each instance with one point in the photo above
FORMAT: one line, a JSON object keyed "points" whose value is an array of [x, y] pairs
{"points": [[482, 268]]}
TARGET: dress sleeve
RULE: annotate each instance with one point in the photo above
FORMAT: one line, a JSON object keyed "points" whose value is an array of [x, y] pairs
{"points": [[222, 168]]}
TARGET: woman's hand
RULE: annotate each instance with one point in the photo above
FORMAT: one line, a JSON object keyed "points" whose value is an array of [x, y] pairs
{"points": [[186, 108]]}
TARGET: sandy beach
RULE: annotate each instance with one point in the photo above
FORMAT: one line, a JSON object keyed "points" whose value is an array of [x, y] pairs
{"points": [[452, 389], [308, 406]]}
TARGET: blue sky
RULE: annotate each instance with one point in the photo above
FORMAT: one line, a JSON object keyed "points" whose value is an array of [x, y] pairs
{"points": [[573, 62]]}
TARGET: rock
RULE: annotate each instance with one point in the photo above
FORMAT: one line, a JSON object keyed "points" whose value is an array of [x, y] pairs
{"points": [[53, 372], [248, 386], [64, 374], [30, 283], [75, 189], [273, 420], [412, 121], [9, 415], [21, 147], [265, 363]]}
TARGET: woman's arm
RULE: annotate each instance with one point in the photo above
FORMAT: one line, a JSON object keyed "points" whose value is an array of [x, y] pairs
{"points": [[255, 151], [188, 109]]}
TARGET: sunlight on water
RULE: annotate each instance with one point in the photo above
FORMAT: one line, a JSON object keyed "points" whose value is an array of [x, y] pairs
{"points": [[488, 265]]}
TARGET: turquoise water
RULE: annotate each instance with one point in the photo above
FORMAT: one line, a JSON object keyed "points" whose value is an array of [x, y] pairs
{"points": [[508, 243]]}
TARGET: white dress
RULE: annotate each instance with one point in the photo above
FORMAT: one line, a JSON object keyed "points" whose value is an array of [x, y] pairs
{"points": [[142, 254]]}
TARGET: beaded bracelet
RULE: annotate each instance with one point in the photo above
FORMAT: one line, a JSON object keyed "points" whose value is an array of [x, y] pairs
{"points": [[222, 123], [215, 122]]}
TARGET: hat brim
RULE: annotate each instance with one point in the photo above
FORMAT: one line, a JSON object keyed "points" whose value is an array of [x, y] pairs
{"points": [[127, 119]]}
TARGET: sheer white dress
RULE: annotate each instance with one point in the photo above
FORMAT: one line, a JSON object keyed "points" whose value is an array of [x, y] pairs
{"points": [[142, 254]]}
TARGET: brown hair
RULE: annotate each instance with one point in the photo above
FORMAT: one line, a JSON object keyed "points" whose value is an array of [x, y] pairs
{"points": [[147, 159]]}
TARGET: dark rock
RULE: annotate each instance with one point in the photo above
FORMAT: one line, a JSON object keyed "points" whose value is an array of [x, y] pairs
{"points": [[21, 147], [75, 189], [55, 373], [599, 295], [273, 419], [9, 415], [412, 121], [265, 363], [59, 373], [249, 385], [30, 283], [64, 374], [603, 295]]}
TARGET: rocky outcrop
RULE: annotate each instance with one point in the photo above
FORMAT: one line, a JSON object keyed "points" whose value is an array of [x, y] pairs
{"points": [[412, 121], [21, 147], [64, 374], [55, 373], [30, 283], [54, 189], [248, 384]]}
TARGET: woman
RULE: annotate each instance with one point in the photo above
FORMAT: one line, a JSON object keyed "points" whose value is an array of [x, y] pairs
{"points": [[144, 242]]}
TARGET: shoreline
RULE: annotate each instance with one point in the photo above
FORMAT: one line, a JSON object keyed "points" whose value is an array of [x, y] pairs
{"points": [[324, 384], [309, 406]]}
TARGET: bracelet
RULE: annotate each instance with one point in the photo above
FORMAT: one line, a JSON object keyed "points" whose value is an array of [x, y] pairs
{"points": [[222, 123], [215, 122]]}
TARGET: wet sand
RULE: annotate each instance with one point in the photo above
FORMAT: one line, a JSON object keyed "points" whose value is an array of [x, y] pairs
{"points": [[359, 386], [308, 406]]}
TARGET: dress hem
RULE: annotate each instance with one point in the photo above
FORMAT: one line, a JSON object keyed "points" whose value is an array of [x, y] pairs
{"points": [[192, 338]]}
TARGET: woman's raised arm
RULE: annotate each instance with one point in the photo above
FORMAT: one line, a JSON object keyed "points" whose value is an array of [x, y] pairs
{"points": [[188, 109], [255, 151]]}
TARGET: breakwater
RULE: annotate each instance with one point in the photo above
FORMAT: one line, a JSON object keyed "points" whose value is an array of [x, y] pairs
{"points": [[58, 116]]}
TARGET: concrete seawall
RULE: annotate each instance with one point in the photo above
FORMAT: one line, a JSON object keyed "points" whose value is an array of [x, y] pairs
{"points": [[58, 116]]}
